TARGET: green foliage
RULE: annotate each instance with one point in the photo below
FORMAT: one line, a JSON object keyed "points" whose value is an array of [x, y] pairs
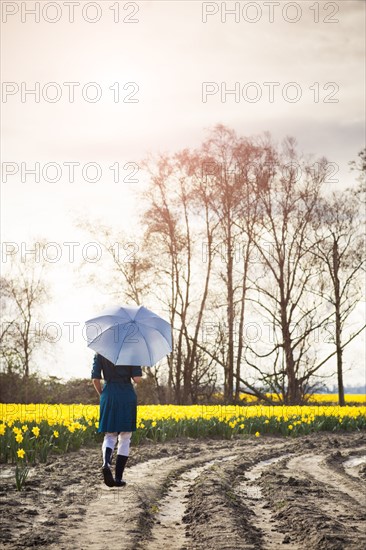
{"points": [[21, 474]]}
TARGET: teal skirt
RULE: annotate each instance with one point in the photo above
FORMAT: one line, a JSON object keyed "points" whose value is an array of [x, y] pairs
{"points": [[118, 408]]}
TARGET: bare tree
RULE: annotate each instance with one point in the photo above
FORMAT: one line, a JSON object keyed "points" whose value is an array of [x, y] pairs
{"points": [[176, 218], [23, 291], [339, 249], [288, 192], [225, 158]]}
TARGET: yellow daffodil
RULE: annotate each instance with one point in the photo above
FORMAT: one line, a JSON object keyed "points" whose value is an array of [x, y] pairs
{"points": [[20, 453], [36, 431]]}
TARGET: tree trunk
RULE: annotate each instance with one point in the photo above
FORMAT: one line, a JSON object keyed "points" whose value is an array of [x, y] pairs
{"points": [[191, 362], [241, 326], [338, 334], [293, 395], [341, 399], [229, 374]]}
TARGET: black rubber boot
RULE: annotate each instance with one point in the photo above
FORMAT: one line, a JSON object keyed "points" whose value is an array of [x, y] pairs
{"points": [[120, 466], [106, 470]]}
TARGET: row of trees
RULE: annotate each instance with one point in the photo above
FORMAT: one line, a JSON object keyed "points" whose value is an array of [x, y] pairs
{"points": [[242, 234], [38, 388], [254, 258], [35, 388]]}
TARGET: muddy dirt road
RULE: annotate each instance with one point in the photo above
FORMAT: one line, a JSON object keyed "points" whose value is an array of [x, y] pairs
{"points": [[252, 493]]}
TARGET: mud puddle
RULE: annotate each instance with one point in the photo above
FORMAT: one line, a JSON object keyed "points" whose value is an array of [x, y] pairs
{"points": [[354, 465]]}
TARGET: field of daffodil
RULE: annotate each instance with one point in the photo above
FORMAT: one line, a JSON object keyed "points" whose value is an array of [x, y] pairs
{"points": [[321, 398], [29, 432]]}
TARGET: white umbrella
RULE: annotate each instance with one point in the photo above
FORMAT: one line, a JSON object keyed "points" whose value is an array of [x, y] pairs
{"points": [[129, 335]]}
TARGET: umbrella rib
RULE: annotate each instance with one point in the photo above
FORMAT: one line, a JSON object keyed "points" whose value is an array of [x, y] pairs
{"points": [[147, 347], [120, 347], [157, 330], [99, 335]]}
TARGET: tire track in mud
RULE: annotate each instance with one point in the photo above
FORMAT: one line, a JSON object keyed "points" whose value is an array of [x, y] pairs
{"points": [[168, 529], [225, 509], [317, 467], [222, 495], [149, 512], [250, 490], [320, 505], [346, 498], [124, 515], [113, 517]]}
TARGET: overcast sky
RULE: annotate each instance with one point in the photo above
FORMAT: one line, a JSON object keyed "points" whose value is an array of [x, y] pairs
{"points": [[158, 56]]}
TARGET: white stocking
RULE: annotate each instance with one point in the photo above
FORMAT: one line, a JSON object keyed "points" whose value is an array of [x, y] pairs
{"points": [[124, 439], [110, 440]]}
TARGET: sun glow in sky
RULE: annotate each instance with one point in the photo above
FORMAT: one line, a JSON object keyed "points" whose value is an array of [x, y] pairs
{"points": [[161, 61]]}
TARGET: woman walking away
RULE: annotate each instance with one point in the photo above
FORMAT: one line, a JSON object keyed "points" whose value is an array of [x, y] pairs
{"points": [[118, 412]]}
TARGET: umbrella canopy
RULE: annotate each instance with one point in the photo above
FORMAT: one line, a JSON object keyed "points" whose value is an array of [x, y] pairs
{"points": [[129, 335]]}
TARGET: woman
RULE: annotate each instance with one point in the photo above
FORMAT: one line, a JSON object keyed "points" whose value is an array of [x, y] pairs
{"points": [[118, 411]]}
